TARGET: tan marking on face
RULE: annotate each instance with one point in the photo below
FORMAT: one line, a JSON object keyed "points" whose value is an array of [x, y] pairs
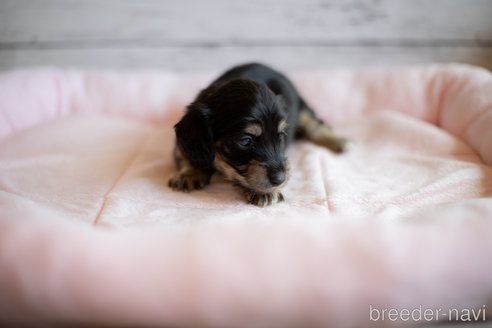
{"points": [[227, 171], [242, 167], [257, 178], [281, 126], [254, 129]]}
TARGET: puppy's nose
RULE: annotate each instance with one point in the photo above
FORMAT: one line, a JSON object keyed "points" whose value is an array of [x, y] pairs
{"points": [[277, 178]]}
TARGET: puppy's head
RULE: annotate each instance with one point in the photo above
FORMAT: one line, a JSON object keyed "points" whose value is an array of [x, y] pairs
{"points": [[240, 129]]}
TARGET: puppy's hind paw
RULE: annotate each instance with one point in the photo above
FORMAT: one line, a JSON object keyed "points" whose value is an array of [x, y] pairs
{"points": [[341, 145], [189, 179], [263, 200]]}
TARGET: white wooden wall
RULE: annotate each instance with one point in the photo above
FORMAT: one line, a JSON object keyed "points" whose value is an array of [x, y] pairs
{"points": [[201, 35]]}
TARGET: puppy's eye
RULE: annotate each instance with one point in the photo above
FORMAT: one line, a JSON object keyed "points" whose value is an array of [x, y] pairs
{"points": [[245, 142]]}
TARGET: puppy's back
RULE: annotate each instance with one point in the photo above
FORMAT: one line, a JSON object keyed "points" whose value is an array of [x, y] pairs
{"points": [[275, 80]]}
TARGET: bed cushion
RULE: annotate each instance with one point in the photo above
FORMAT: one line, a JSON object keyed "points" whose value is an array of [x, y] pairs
{"points": [[91, 234]]}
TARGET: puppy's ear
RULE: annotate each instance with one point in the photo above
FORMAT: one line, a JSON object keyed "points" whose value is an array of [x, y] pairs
{"points": [[195, 137]]}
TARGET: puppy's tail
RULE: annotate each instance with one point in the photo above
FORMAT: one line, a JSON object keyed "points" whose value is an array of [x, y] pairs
{"points": [[314, 129]]}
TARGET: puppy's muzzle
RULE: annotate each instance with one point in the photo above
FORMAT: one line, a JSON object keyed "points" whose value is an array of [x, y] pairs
{"points": [[276, 173], [265, 177], [276, 179]]}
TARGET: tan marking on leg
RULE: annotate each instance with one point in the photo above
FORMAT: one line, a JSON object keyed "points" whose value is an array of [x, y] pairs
{"points": [[320, 133]]}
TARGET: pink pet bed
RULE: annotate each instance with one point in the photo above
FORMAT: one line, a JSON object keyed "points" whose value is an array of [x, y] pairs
{"points": [[91, 234]]}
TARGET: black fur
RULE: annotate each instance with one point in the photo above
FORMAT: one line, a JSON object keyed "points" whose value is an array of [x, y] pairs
{"points": [[195, 136], [242, 95], [211, 135]]}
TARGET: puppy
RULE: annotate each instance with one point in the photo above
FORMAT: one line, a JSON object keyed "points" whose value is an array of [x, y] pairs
{"points": [[240, 126]]}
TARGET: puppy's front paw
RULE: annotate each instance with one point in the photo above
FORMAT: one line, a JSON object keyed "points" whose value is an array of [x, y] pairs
{"points": [[188, 179], [264, 199]]}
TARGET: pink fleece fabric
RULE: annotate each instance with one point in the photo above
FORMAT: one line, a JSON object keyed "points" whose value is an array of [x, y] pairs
{"points": [[91, 234]]}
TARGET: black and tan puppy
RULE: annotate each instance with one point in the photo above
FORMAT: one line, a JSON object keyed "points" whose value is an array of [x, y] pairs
{"points": [[240, 126]]}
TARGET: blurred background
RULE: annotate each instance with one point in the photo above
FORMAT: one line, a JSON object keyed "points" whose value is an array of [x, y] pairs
{"points": [[194, 35]]}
